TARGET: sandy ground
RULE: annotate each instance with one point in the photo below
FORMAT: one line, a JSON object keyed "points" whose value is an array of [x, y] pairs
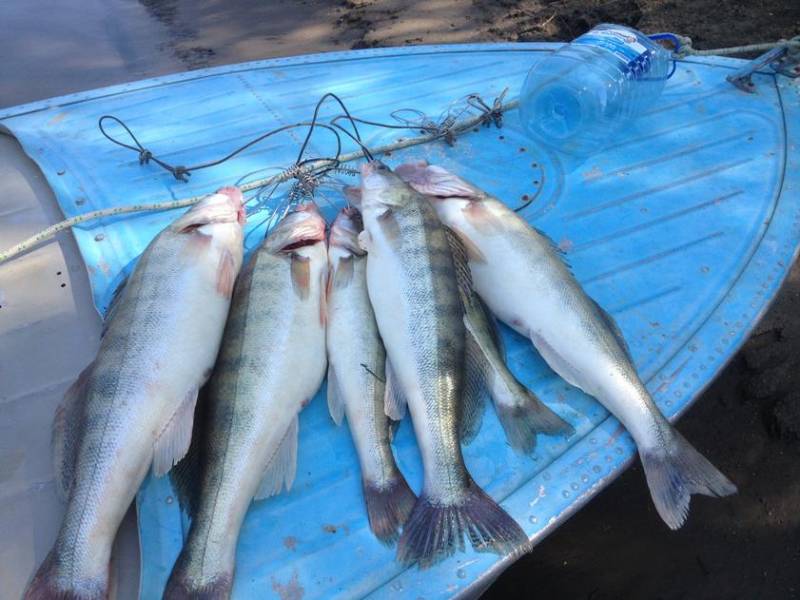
{"points": [[747, 422]]}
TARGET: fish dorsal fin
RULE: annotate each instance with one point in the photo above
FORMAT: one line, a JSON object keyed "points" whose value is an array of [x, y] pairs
{"points": [[493, 326], [282, 466], [335, 400], [112, 307], [557, 250], [394, 398], [323, 298], [66, 426], [476, 391], [461, 263], [173, 441], [612, 325]]}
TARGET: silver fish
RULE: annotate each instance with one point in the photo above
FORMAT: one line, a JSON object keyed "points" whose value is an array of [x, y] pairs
{"points": [[413, 290], [519, 273], [356, 372], [133, 406], [522, 414], [271, 363]]}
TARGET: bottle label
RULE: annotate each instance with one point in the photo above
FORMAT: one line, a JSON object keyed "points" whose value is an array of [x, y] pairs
{"points": [[622, 43]]}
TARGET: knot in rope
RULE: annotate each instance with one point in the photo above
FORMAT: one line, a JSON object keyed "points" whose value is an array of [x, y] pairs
{"points": [[489, 114], [144, 156], [180, 173]]}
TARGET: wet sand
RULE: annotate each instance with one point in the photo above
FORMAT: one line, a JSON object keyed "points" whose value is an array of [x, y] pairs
{"points": [[748, 422]]}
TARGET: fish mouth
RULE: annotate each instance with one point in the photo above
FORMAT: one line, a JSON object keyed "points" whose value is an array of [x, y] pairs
{"points": [[304, 226], [235, 197], [226, 205], [345, 230], [372, 167]]}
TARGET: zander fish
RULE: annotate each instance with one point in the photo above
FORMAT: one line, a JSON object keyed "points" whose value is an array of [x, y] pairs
{"points": [[522, 414], [519, 273], [133, 406], [271, 363], [356, 375], [413, 290]]}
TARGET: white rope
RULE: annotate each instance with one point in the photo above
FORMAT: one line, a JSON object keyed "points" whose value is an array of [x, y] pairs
{"points": [[688, 50]]}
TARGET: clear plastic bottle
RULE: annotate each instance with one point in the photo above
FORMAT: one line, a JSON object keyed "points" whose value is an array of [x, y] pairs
{"points": [[576, 98]]}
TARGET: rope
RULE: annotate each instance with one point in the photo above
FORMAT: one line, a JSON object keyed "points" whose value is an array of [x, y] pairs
{"points": [[294, 172], [686, 48], [182, 173], [308, 171]]}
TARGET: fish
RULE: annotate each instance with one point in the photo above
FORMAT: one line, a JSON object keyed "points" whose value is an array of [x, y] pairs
{"points": [[413, 290], [133, 406], [356, 379], [521, 413], [521, 275], [271, 363]]}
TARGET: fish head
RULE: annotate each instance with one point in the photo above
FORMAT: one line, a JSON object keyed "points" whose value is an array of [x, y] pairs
{"points": [[345, 230], [302, 227], [220, 216], [450, 195], [436, 182], [381, 187]]}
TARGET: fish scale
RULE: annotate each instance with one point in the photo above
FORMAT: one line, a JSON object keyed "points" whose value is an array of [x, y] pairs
{"points": [[356, 380], [520, 273], [133, 405], [271, 362], [413, 289]]}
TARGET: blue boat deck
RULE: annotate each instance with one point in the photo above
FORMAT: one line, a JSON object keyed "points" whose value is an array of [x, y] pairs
{"points": [[683, 229]]}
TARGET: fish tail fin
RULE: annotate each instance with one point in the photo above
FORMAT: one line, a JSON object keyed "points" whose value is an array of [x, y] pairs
{"points": [[388, 507], [47, 585], [526, 417], [675, 471], [436, 530], [181, 586]]}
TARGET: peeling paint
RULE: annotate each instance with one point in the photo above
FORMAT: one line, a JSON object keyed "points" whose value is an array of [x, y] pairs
{"points": [[291, 590]]}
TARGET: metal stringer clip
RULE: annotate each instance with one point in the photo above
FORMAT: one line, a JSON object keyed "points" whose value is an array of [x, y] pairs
{"points": [[783, 59]]}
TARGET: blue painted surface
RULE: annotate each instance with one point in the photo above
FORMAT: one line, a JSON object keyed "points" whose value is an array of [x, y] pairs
{"points": [[683, 229]]}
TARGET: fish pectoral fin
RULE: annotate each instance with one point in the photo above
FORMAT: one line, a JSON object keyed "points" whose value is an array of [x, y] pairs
{"points": [[301, 275], [173, 442], [335, 400], [282, 466], [480, 217], [394, 400], [343, 274], [389, 225], [66, 428], [226, 274]]}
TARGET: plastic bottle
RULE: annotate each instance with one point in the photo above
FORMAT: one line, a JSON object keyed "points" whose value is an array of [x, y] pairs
{"points": [[576, 98]]}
